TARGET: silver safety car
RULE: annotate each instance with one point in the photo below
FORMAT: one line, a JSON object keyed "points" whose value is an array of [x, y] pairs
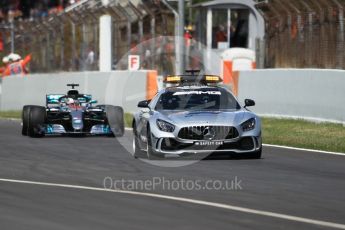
{"points": [[195, 117]]}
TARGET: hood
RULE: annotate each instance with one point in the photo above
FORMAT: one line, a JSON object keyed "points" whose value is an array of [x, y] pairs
{"points": [[229, 117]]}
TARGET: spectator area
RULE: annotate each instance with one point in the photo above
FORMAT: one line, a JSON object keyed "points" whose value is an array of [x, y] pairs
{"points": [[28, 9]]}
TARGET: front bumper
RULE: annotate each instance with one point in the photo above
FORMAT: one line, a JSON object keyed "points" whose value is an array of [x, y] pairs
{"points": [[175, 146]]}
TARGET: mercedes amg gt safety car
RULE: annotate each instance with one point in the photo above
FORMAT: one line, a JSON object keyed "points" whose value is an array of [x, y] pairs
{"points": [[72, 113], [195, 118]]}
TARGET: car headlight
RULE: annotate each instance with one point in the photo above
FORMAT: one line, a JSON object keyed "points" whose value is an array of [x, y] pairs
{"points": [[248, 125], [165, 126]]}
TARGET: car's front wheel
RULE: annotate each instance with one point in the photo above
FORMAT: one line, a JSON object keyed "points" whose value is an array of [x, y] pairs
{"points": [[151, 155], [37, 118], [256, 154], [137, 152], [115, 118], [25, 119], [149, 145]]}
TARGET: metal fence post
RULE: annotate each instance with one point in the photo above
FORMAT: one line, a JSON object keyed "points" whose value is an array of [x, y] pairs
{"points": [[12, 36], [105, 46], [153, 35], [153, 40], [62, 46], [178, 52], [73, 46], [180, 36], [0, 93], [83, 46], [129, 33], [340, 38], [340, 48]]}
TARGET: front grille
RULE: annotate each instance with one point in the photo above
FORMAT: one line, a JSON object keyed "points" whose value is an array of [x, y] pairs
{"points": [[208, 133]]}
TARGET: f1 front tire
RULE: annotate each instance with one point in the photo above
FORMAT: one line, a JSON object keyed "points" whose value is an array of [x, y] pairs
{"points": [[25, 119], [37, 118]]}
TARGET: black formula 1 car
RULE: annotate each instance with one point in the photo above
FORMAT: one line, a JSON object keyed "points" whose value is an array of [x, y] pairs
{"points": [[72, 114]]}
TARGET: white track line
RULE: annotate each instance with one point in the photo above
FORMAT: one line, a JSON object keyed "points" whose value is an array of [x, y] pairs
{"points": [[302, 149], [192, 201]]}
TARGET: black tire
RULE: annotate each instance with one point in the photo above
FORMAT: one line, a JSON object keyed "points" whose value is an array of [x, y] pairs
{"points": [[25, 119], [37, 118], [115, 118], [255, 155], [137, 152], [151, 155]]}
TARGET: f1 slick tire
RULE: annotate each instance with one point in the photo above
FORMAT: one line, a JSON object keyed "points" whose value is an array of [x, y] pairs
{"points": [[25, 119], [37, 118], [115, 118]]}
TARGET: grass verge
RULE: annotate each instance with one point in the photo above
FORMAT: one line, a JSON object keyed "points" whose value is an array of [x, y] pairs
{"points": [[288, 132], [11, 114], [304, 134], [128, 120]]}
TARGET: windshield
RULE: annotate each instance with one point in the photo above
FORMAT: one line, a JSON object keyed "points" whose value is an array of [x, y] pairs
{"points": [[197, 99]]}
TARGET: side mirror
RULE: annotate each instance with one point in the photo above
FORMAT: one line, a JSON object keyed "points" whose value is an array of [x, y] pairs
{"points": [[249, 102], [93, 101], [144, 104]]}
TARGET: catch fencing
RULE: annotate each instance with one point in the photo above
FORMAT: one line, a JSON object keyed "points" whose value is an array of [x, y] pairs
{"points": [[304, 33], [64, 41]]}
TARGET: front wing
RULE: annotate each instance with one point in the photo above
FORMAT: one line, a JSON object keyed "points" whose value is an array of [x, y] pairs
{"points": [[56, 129]]}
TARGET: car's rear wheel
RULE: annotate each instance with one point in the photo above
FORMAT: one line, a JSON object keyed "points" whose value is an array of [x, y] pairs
{"points": [[115, 116], [37, 118], [25, 119]]}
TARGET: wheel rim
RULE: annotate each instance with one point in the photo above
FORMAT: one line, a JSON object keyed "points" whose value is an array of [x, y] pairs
{"points": [[133, 146], [147, 150], [147, 147]]}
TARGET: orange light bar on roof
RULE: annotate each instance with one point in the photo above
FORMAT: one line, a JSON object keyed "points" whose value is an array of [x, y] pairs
{"points": [[172, 79], [212, 78]]}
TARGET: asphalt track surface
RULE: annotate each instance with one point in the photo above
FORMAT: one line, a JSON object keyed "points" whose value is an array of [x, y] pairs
{"points": [[297, 183]]}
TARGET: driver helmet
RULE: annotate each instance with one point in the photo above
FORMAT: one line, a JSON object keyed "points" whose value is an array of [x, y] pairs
{"points": [[69, 101]]}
